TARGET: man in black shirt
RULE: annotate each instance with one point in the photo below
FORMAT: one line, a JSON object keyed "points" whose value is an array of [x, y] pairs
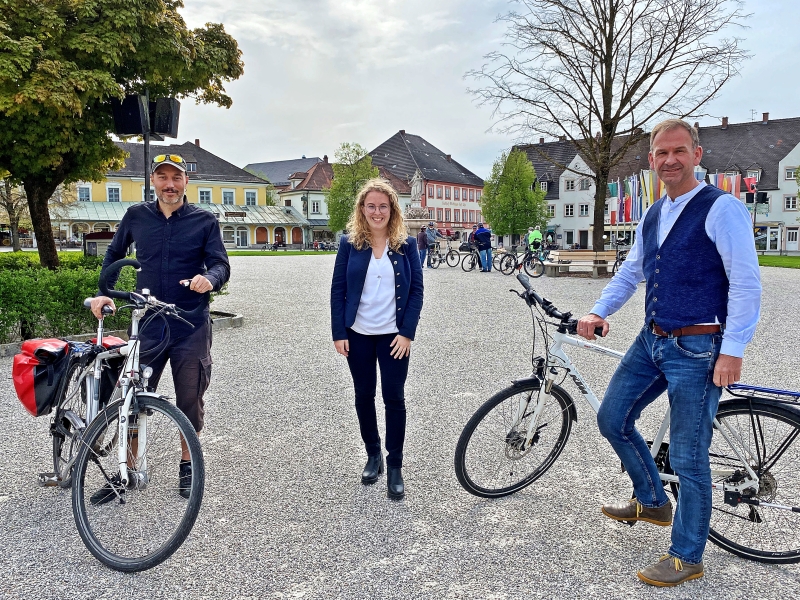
{"points": [[175, 242]]}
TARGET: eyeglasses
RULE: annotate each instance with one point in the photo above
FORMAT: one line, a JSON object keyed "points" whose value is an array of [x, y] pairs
{"points": [[172, 157], [384, 208]]}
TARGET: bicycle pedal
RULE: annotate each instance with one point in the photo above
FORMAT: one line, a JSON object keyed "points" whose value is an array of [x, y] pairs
{"points": [[629, 523], [48, 479]]}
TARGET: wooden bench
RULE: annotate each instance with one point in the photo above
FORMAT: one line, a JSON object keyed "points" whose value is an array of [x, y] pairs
{"points": [[560, 262]]}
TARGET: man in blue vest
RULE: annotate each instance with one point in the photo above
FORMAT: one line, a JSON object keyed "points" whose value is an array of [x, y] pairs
{"points": [[702, 303]]}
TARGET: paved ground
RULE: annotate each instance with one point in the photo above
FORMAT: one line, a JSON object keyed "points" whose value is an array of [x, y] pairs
{"points": [[284, 514]]}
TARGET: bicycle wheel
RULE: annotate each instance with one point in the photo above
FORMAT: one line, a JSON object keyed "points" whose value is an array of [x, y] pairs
{"points": [[533, 267], [69, 423], [137, 527], [452, 258], [768, 435], [617, 265], [508, 264], [469, 262], [436, 260], [496, 258], [491, 460]]}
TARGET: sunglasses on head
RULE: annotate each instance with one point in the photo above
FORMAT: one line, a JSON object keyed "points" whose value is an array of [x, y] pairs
{"points": [[172, 157]]}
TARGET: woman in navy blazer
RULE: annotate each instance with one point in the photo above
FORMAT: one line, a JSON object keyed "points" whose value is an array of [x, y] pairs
{"points": [[376, 300]]}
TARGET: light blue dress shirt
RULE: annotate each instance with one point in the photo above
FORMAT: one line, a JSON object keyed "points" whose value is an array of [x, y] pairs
{"points": [[730, 227]]}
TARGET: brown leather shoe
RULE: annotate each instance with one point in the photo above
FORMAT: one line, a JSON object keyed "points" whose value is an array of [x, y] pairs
{"points": [[633, 511], [669, 571]]}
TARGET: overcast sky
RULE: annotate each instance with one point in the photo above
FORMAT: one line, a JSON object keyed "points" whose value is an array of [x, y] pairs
{"points": [[322, 72]]}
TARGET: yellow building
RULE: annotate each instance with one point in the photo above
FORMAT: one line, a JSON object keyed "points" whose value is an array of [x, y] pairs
{"points": [[237, 198]]}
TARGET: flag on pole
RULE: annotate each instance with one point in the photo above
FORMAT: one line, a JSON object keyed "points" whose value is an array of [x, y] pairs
{"points": [[621, 211], [750, 183]]}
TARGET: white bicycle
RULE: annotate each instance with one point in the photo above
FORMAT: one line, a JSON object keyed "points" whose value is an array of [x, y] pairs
{"points": [[119, 446], [517, 435]]}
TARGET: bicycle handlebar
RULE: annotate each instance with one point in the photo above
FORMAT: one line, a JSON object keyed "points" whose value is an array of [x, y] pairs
{"points": [[531, 297], [114, 268]]}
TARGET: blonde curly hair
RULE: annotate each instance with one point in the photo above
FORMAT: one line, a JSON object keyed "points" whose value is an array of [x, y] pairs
{"points": [[360, 235]]}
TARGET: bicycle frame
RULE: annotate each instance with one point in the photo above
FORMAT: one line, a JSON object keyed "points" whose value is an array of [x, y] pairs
{"points": [[557, 359]]}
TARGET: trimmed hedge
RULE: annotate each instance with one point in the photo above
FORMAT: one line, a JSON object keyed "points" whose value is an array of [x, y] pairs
{"points": [[37, 302]]}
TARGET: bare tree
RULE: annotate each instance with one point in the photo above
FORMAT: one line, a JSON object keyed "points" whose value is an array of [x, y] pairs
{"points": [[601, 72], [14, 206]]}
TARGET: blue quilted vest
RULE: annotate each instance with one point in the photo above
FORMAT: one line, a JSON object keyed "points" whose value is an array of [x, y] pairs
{"points": [[686, 280]]}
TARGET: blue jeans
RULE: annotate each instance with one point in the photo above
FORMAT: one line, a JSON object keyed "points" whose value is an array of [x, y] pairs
{"points": [[423, 251], [684, 368], [486, 259]]}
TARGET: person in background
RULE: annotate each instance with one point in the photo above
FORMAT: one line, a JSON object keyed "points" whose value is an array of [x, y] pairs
{"points": [[483, 238], [433, 233], [422, 244], [471, 238], [534, 238], [376, 301]]}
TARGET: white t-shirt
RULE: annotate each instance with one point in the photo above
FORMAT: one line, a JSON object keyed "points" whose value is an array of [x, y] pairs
{"points": [[377, 310]]}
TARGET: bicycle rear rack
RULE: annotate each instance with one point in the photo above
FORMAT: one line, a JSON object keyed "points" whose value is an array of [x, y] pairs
{"points": [[754, 392]]}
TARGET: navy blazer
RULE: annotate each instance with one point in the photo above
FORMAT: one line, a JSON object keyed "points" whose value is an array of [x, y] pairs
{"points": [[349, 274]]}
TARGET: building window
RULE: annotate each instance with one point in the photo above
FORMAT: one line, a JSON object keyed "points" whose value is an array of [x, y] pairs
{"points": [[227, 196], [569, 185], [191, 167], [113, 193], [756, 174], [606, 209], [228, 235], [84, 193], [472, 216], [152, 195], [584, 208], [250, 197], [439, 191], [543, 186], [439, 214], [430, 191], [315, 207], [447, 214], [205, 196], [569, 210], [430, 214], [472, 195], [457, 213], [585, 183], [790, 173], [569, 238], [551, 210], [455, 194], [287, 202], [463, 194], [478, 195], [479, 215], [790, 202], [447, 192]]}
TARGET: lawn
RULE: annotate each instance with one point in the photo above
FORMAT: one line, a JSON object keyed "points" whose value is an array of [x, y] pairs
{"points": [[276, 253], [790, 262]]}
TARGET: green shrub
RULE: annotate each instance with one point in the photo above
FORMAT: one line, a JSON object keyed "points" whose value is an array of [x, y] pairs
{"points": [[36, 302], [30, 260]]}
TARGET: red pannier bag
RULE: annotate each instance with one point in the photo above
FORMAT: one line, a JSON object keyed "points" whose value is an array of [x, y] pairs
{"points": [[38, 373]]}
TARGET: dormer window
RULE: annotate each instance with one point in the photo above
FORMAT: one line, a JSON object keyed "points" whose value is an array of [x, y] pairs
{"points": [[191, 167]]}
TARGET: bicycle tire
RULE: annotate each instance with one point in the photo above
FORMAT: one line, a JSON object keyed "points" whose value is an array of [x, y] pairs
{"points": [[150, 521], [501, 458], [436, 260], [533, 267], [508, 264], [452, 258], [770, 436], [496, 258], [617, 265], [66, 435], [469, 262]]}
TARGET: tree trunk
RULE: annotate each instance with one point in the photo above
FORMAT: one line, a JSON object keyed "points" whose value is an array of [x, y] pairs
{"points": [[13, 222], [601, 189], [39, 193]]}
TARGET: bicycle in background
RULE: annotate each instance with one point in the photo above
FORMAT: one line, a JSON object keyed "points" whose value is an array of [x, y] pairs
{"points": [[517, 434]]}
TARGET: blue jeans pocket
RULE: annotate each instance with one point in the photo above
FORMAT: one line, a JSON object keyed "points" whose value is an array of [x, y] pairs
{"points": [[697, 346]]}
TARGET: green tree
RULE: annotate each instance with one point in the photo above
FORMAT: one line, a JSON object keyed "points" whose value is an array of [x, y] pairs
{"points": [[61, 63], [351, 168], [509, 201], [13, 209]]}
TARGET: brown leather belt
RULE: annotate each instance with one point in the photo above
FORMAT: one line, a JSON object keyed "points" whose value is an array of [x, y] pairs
{"points": [[690, 330]]}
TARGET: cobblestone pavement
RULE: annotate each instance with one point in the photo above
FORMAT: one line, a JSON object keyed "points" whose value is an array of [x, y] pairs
{"points": [[284, 513]]}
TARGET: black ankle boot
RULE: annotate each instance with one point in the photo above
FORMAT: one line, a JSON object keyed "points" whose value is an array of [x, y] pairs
{"points": [[372, 469], [395, 488]]}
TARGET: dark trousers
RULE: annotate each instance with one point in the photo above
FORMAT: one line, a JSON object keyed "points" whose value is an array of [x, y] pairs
{"points": [[190, 360], [365, 352]]}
